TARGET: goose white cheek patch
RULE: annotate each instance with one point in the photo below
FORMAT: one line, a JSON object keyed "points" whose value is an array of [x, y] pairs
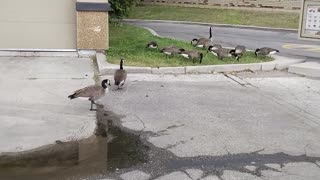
{"points": [[200, 46]]}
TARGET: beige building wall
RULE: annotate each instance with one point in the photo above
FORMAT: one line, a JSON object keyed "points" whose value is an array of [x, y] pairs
{"points": [[37, 24], [93, 30]]}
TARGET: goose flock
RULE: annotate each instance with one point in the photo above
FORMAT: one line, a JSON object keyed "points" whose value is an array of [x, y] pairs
{"points": [[95, 92], [210, 46]]}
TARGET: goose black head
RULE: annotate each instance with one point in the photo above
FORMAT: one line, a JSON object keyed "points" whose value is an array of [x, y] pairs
{"points": [[152, 45], [257, 51], [105, 82], [210, 48], [181, 50], [233, 52], [194, 41]]}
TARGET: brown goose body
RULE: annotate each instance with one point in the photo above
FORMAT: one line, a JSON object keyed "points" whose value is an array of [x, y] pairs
{"points": [[222, 53], [93, 92], [266, 51], [238, 51], [203, 42], [214, 47], [120, 75], [192, 55], [171, 50]]}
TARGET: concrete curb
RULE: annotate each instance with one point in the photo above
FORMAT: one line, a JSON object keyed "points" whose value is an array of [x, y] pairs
{"points": [[216, 25], [152, 31], [106, 68], [280, 63], [4, 53], [35, 53], [310, 69]]}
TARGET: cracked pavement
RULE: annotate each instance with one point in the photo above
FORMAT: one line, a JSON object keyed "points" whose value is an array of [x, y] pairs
{"points": [[236, 126]]}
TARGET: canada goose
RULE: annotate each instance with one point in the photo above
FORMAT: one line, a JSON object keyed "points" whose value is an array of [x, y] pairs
{"points": [[120, 75], [265, 51], [93, 92], [221, 53], [214, 47], [203, 42], [238, 51], [192, 55], [171, 50], [152, 45]]}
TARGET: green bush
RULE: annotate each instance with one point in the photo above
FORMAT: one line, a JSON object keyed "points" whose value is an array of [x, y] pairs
{"points": [[121, 8]]}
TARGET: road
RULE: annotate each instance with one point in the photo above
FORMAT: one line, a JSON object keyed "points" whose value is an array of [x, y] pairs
{"points": [[286, 41], [243, 126]]}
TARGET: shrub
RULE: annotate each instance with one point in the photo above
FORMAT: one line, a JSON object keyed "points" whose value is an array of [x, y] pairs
{"points": [[121, 8]]}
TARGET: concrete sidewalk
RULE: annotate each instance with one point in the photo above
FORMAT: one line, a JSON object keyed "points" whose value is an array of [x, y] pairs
{"points": [[34, 108]]}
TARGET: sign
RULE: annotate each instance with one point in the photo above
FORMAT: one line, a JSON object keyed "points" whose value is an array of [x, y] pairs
{"points": [[310, 20]]}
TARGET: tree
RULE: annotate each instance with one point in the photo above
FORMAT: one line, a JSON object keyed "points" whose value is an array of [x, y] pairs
{"points": [[121, 8]]}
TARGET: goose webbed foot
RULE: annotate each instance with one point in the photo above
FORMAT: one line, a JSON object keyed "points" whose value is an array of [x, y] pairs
{"points": [[91, 108]]}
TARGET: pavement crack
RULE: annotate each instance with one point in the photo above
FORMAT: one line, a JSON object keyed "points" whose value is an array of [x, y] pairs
{"points": [[225, 148], [264, 167], [260, 150], [237, 80], [174, 145], [144, 126], [175, 126], [254, 173], [184, 171]]}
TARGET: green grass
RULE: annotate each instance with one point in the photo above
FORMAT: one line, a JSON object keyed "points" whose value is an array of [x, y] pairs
{"points": [[223, 16], [129, 42]]}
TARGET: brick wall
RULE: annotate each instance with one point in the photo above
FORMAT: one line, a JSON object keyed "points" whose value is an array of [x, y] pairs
{"points": [[264, 4]]}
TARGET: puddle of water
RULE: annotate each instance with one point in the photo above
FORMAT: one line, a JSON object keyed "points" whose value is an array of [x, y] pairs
{"points": [[68, 160], [112, 148], [91, 157], [126, 150]]}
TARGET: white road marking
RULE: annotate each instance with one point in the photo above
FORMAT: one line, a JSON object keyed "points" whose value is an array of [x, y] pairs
{"points": [[302, 47]]}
